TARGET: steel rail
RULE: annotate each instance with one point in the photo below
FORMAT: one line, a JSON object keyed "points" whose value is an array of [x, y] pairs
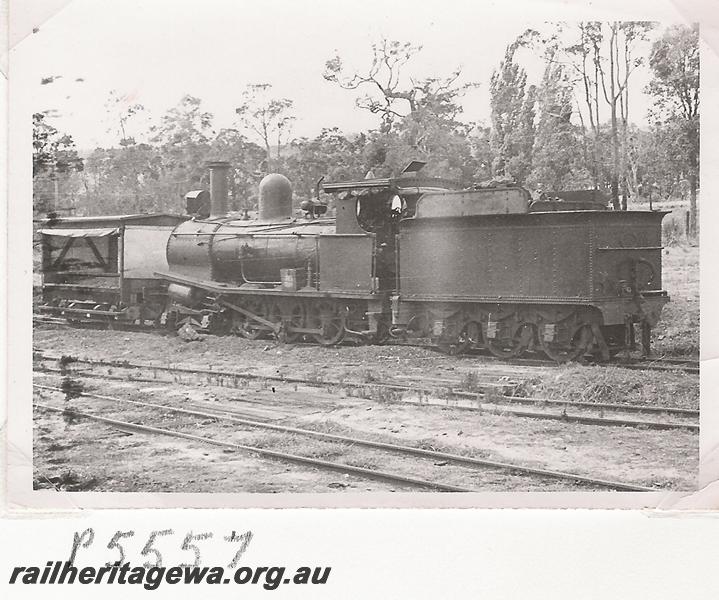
{"points": [[293, 458], [433, 454], [653, 366], [632, 408], [505, 400], [647, 364]]}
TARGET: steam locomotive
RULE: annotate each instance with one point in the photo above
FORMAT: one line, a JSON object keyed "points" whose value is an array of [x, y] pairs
{"points": [[417, 257]]}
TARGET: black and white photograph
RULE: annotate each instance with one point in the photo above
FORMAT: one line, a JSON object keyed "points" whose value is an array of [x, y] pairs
{"points": [[373, 250]]}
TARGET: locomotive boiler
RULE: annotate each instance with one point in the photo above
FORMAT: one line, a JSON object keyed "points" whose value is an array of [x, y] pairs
{"points": [[412, 256]]}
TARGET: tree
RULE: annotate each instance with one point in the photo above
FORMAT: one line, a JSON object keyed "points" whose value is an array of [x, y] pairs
{"points": [[54, 160], [419, 118], [126, 179], [512, 117], [245, 158], [481, 149], [120, 111], [184, 123], [267, 117], [331, 154], [603, 55], [384, 77], [674, 61], [182, 140], [557, 146]]}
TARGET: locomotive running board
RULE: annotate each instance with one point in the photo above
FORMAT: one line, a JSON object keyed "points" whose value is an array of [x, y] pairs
{"points": [[222, 288]]}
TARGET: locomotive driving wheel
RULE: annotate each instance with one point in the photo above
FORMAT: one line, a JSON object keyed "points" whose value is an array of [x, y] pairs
{"points": [[247, 327], [566, 351], [295, 318], [513, 344], [328, 317]]}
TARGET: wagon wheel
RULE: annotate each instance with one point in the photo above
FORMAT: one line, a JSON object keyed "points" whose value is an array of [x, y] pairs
{"points": [[247, 327], [580, 342], [514, 345], [328, 317], [72, 317], [295, 318]]}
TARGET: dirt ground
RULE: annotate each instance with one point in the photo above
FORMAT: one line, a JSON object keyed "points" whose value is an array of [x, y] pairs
{"points": [[84, 455]]}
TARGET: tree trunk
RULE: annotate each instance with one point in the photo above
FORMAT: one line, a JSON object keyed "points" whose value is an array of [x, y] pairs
{"points": [[615, 158], [615, 133], [693, 205]]}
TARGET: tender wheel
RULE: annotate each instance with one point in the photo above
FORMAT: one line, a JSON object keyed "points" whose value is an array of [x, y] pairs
{"points": [[577, 346], [328, 317], [512, 345], [469, 336]]}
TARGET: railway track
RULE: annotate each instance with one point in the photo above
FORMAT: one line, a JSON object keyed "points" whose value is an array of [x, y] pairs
{"points": [[443, 458], [590, 413], [687, 365]]}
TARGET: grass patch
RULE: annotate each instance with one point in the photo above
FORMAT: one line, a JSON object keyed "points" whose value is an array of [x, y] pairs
{"points": [[677, 333], [470, 382], [619, 386]]}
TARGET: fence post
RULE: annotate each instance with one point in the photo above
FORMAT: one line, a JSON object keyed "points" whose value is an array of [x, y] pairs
{"points": [[686, 224]]}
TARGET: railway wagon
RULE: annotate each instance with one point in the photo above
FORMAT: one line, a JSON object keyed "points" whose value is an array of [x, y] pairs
{"points": [[101, 269]]}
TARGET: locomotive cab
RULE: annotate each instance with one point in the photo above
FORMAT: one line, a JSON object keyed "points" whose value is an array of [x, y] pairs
{"points": [[376, 206]]}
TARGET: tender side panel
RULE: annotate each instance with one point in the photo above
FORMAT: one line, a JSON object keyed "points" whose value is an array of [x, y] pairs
{"points": [[499, 257], [346, 262], [627, 246]]}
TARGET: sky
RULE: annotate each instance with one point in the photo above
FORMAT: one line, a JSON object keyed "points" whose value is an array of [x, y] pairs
{"points": [[153, 52]]}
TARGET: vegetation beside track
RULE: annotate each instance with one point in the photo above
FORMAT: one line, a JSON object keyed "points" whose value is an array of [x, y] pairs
{"points": [[616, 385]]}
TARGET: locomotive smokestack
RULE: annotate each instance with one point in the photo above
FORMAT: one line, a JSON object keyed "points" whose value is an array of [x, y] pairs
{"points": [[218, 188]]}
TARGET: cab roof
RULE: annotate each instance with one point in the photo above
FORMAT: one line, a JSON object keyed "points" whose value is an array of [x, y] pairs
{"points": [[404, 184]]}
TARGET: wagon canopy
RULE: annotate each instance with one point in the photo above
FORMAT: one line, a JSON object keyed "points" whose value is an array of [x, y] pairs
{"points": [[81, 233]]}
